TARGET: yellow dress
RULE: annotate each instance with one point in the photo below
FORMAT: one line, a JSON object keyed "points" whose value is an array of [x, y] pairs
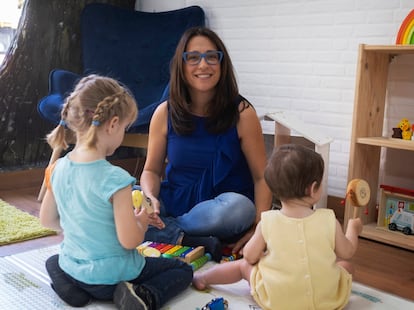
{"points": [[299, 271]]}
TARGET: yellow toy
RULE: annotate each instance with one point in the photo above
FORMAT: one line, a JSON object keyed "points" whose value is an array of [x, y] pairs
{"points": [[405, 127], [406, 135], [139, 200]]}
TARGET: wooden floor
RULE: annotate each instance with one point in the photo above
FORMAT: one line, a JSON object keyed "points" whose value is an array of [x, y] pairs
{"points": [[381, 266]]}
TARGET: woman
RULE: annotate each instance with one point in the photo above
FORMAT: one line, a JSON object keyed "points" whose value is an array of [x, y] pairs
{"points": [[214, 189]]}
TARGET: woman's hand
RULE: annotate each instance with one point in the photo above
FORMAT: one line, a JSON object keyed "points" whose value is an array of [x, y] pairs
{"points": [[153, 170], [153, 218], [238, 246], [156, 221]]}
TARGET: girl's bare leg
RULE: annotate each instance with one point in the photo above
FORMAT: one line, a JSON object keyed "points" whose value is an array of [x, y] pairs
{"points": [[224, 273]]}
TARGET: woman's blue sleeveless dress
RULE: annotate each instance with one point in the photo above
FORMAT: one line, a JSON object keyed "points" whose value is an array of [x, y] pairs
{"points": [[201, 166]]}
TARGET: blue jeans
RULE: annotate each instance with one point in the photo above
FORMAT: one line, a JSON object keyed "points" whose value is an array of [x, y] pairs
{"points": [[226, 216], [163, 277]]}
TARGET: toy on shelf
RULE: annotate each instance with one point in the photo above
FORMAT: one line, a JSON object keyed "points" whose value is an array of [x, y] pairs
{"points": [[402, 220], [405, 34], [412, 130], [397, 208], [359, 194], [397, 133], [140, 200], [403, 130]]}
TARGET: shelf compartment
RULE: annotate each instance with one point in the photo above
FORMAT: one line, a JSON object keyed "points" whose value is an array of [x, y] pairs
{"points": [[387, 142], [367, 141], [382, 234]]}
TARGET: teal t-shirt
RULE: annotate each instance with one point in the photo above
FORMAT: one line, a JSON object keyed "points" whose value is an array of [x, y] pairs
{"points": [[90, 251]]}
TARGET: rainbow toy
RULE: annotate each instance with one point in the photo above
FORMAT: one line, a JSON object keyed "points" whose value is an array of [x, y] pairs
{"points": [[406, 33], [184, 253]]}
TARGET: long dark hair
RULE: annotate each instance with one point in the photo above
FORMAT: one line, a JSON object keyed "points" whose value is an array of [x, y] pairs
{"points": [[223, 113]]}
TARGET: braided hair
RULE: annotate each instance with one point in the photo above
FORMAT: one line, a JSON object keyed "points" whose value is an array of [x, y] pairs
{"points": [[95, 100]]}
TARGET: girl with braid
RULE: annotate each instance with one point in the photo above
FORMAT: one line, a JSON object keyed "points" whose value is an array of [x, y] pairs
{"points": [[89, 200]]}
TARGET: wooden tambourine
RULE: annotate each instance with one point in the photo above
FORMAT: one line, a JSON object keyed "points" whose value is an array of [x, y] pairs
{"points": [[359, 194]]}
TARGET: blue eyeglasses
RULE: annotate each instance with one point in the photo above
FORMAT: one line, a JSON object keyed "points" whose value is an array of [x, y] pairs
{"points": [[211, 57]]}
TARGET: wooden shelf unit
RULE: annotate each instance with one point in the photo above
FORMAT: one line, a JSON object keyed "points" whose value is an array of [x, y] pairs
{"points": [[367, 140]]}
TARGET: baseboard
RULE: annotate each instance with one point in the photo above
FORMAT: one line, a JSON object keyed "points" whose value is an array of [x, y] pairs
{"points": [[32, 177], [21, 179]]}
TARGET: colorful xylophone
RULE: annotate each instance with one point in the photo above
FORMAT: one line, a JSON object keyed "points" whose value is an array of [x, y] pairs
{"points": [[193, 256], [184, 253]]}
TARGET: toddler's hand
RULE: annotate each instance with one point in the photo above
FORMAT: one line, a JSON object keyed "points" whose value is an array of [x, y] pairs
{"points": [[356, 225], [143, 217]]}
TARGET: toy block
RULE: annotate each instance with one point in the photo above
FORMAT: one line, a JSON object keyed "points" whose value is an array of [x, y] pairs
{"points": [[193, 255]]}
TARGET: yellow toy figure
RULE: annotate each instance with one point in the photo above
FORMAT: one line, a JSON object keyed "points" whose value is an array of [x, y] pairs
{"points": [[412, 130], [139, 200], [405, 127]]}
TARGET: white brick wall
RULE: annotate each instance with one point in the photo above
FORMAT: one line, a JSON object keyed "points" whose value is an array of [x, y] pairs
{"points": [[300, 56]]}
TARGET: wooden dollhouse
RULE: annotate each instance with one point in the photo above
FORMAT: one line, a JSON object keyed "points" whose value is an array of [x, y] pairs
{"points": [[285, 128]]}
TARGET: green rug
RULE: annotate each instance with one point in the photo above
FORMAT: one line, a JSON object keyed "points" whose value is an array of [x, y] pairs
{"points": [[16, 225]]}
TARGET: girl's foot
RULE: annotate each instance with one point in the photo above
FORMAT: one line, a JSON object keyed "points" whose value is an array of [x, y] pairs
{"points": [[198, 282]]}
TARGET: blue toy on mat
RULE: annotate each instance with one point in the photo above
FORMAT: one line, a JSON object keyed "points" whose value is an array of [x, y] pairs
{"points": [[218, 303]]}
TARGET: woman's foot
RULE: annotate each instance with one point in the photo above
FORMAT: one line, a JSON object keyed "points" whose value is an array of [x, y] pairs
{"points": [[211, 244]]}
